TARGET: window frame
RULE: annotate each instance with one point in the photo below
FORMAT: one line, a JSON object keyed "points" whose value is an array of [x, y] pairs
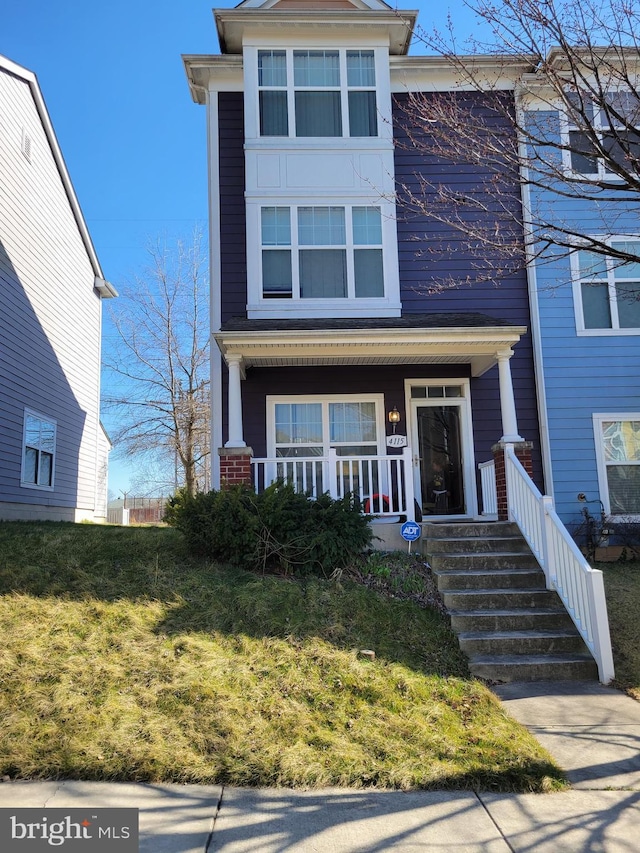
{"points": [[343, 87], [601, 463], [615, 329], [296, 247], [24, 482], [325, 400]]}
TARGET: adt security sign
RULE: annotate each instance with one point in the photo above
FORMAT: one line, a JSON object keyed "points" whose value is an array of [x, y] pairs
{"points": [[410, 531]]}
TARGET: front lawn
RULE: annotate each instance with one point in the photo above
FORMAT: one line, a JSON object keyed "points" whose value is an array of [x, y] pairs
{"points": [[123, 659], [622, 589]]}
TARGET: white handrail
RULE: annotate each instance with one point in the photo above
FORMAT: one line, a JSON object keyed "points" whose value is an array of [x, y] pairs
{"points": [[580, 587]]}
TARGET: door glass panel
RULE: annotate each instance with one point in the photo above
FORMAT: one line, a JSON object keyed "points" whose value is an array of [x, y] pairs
{"points": [[440, 452]]}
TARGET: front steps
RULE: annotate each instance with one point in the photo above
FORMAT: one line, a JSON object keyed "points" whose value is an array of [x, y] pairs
{"points": [[508, 624]]}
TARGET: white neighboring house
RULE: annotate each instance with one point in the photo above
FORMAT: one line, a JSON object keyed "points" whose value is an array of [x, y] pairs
{"points": [[53, 449]]}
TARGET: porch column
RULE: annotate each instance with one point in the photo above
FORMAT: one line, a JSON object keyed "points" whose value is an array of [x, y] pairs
{"points": [[507, 401], [234, 402]]}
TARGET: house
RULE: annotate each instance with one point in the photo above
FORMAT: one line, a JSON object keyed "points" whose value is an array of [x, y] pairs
{"points": [[586, 315], [337, 361], [53, 449]]}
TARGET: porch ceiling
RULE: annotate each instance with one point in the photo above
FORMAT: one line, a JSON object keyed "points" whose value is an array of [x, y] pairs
{"points": [[476, 345]]}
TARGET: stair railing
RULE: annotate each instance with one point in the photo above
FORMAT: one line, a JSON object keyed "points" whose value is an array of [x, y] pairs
{"points": [[579, 585]]}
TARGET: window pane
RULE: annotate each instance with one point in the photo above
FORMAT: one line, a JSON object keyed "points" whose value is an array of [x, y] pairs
{"points": [[272, 68], [630, 269], [624, 488], [367, 226], [363, 119], [595, 306], [273, 113], [623, 147], [583, 158], [276, 273], [276, 226], [298, 423], [32, 431], [323, 273], [316, 68], [628, 295], [46, 469], [30, 465], [47, 436], [353, 422], [321, 226], [318, 114], [621, 441], [369, 278], [621, 107], [360, 68], [592, 265]]}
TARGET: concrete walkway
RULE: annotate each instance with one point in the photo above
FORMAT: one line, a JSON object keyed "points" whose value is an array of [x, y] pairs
{"points": [[592, 731]]}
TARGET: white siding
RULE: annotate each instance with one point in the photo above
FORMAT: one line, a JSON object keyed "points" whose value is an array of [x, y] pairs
{"points": [[49, 313]]}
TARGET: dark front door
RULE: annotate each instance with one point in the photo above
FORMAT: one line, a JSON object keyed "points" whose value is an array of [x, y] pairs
{"points": [[439, 433]]}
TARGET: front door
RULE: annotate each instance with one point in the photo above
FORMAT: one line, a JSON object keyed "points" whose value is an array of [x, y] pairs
{"points": [[441, 451]]}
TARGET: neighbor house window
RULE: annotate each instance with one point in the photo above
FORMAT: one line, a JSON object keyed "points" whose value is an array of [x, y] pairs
{"points": [[317, 93], [38, 451], [322, 252], [619, 452], [612, 129], [609, 290]]}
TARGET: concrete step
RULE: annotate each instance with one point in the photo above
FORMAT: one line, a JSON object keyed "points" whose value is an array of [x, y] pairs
{"points": [[498, 599], [497, 560], [477, 544], [560, 667], [481, 643], [547, 618], [490, 579], [465, 529]]}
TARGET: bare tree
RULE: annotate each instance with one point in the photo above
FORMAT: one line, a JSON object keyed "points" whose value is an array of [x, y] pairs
{"points": [[158, 366], [548, 104]]}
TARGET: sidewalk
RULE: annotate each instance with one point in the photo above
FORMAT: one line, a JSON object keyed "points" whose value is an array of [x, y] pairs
{"points": [[592, 731]]}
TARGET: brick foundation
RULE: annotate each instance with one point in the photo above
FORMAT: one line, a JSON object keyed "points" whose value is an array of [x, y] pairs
{"points": [[523, 453], [235, 466]]}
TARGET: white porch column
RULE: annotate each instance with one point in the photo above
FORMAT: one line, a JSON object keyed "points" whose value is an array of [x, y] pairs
{"points": [[236, 436], [507, 401]]}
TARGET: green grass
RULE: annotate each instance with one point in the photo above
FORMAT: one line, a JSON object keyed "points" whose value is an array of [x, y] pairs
{"points": [[123, 659], [622, 589]]}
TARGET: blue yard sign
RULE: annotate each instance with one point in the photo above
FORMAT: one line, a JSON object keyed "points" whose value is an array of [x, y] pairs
{"points": [[410, 531]]}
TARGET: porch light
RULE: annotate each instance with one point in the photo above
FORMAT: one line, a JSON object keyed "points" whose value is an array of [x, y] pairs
{"points": [[394, 418]]}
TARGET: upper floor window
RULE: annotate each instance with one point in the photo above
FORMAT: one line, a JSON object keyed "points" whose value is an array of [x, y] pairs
{"points": [[611, 126], [322, 252], [38, 451], [317, 93], [609, 290]]}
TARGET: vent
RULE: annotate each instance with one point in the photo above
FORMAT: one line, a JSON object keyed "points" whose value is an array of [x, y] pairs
{"points": [[26, 145]]}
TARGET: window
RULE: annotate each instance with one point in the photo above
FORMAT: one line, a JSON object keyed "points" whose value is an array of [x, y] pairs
{"points": [[613, 128], [618, 441], [322, 252], [39, 451], [303, 93], [609, 290]]}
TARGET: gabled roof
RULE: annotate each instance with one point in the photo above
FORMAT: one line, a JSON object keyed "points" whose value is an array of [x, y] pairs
{"points": [[104, 287]]}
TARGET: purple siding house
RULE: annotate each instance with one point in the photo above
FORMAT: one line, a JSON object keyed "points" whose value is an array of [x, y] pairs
{"points": [[337, 361]]}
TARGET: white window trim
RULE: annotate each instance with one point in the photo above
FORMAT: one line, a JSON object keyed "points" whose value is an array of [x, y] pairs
{"points": [[24, 483], [601, 465], [615, 331], [259, 307], [377, 399]]}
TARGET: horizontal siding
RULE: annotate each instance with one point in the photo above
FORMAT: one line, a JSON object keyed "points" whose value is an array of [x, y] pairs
{"points": [[233, 251], [49, 312]]}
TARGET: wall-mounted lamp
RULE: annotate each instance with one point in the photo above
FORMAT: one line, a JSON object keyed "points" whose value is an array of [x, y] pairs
{"points": [[394, 418]]}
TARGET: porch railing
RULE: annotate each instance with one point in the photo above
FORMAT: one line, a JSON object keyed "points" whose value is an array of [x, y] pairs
{"points": [[383, 484], [580, 586], [488, 487]]}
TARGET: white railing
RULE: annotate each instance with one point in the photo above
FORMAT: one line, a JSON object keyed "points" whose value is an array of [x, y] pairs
{"points": [[383, 484], [488, 487], [580, 586]]}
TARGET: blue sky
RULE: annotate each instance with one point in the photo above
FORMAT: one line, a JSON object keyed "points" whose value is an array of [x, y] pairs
{"points": [[133, 140]]}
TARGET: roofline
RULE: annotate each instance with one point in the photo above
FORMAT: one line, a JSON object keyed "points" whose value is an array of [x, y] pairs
{"points": [[30, 78]]}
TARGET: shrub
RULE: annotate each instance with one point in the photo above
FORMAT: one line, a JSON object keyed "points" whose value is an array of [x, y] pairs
{"points": [[278, 530]]}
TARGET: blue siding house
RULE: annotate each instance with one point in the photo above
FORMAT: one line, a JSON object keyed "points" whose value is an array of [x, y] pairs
{"points": [[53, 450], [334, 359]]}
